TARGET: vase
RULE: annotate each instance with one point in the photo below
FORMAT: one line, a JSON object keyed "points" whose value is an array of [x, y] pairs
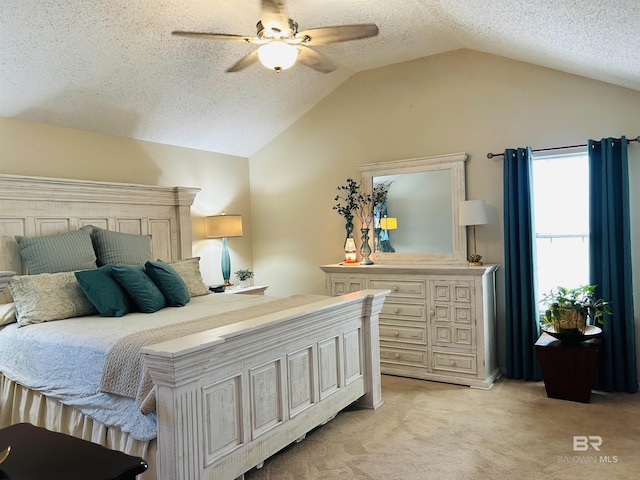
{"points": [[348, 226], [365, 249], [570, 321], [377, 247]]}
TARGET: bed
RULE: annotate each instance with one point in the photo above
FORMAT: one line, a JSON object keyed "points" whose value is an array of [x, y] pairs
{"points": [[224, 396]]}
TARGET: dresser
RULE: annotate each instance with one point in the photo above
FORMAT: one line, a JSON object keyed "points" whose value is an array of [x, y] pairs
{"points": [[438, 322]]}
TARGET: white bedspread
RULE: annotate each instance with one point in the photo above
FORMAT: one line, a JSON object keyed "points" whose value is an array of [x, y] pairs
{"points": [[64, 359]]}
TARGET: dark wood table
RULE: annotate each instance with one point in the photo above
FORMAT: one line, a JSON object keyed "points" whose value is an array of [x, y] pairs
{"points": [[567, 370], [39, 454]]}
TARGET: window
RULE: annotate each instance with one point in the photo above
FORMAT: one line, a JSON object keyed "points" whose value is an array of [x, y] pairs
{"points": [[561, 216]]}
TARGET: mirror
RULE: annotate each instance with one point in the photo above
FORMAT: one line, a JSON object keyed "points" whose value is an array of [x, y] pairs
{"points": [[417, 222]]}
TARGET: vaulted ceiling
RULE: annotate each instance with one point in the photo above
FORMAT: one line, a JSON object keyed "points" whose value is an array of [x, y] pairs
{"points": [[112, 66]]}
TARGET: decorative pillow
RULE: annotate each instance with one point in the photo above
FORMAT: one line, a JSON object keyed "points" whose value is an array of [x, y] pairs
{"points": [[5, 296], [48, 296], [63, 252], [147, 297], [104, 292], [7, 313], [116, 248], [189, 270], [169, 282], [5, 276]]}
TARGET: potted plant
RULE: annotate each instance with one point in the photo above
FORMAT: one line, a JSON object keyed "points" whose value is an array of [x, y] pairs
{"points": [[351, 201], [243, 276], [347, 204], [567, 309]]}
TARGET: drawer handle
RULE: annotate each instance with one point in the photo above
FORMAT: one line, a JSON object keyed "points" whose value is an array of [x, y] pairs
{"points": [[396, 310], [397, 355], [395, 289], [452, 363], [396, 334]]}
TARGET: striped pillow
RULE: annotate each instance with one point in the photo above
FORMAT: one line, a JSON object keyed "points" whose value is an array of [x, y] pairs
{"points": [[117, 248], [63, 252]]}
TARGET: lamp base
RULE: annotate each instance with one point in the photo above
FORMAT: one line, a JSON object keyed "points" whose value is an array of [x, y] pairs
{"points": [[227, 283], [474, 260]]}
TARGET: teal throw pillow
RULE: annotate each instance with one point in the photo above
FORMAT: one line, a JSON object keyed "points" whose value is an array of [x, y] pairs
{"points": [[117, 248], [147, 297], [169, 282], [104, 292], [62, 252]]}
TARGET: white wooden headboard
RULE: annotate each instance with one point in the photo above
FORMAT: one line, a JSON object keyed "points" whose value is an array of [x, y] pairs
{"points": [[38, 206]]}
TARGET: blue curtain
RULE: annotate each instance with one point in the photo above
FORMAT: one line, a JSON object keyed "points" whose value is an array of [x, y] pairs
{"points": [[522, 327], [610, 262]]}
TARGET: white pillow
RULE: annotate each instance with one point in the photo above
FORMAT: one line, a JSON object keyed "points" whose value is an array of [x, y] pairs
{"points": [[7, 313]]}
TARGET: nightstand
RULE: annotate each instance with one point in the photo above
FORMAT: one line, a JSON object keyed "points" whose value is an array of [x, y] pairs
{"points": [[252, 290], [37, 453]]}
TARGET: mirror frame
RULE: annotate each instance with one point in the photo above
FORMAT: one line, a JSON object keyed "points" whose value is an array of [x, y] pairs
{"points": [[454, 162]]}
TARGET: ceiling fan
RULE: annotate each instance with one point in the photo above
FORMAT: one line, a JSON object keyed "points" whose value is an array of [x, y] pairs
{"points": [[281, 45]]}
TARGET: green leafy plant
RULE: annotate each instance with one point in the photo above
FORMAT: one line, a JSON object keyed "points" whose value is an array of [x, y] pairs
{"points": [[580, 299], [351, 201], [244, 275]]}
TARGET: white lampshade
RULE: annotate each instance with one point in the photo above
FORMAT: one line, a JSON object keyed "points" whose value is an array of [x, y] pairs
{"points": [[473, 212], [219, 226], [277, 55]]}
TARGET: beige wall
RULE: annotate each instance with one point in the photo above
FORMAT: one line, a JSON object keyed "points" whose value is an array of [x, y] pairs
{"points": [[35, 149], [462, 101]]}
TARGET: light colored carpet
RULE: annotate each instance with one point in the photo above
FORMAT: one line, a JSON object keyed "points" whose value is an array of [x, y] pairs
{"points": [[429, 430]]}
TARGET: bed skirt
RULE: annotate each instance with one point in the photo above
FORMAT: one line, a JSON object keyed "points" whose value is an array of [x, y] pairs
{"points": [[19, 404]]}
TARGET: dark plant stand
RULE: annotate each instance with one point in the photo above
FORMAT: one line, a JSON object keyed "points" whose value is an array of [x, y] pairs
{"points": [[568, 370]]}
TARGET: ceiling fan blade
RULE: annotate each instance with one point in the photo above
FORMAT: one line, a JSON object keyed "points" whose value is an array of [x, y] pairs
{"points": [[244, 62], [340, 33], [274, 13], [213, 36], [315, 60]]}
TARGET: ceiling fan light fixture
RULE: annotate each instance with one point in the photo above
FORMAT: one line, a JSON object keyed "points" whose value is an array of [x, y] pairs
{"points": [[277, 55]]}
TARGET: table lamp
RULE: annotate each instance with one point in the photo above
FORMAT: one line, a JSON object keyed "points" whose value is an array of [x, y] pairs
{"points": [[472, 213], [350, 251], [223, 226]]}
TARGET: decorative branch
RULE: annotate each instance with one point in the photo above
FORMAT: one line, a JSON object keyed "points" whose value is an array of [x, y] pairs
{"points": [[352, 201]]}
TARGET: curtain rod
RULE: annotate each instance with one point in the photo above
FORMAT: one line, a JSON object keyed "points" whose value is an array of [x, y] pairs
{"points": [[491, 155]]}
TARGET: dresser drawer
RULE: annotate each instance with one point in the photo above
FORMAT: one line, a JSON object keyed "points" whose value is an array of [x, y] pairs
{"points": [[403, 356], [400, 288], [402, 333], [407, 311], [454, 362], [341, 285], [451, 291]]}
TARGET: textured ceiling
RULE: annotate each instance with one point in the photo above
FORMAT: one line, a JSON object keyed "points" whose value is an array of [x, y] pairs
{"points": [[112, 66]]}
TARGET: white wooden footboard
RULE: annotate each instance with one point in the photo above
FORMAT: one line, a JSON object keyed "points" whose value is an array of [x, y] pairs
{"points": [[231, 397]]}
